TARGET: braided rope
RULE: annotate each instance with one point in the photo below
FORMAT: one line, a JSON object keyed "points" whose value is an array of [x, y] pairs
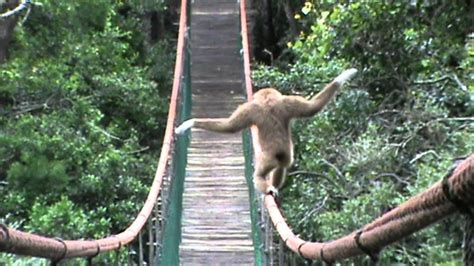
{"points": [[413, 215], [23, 5]]}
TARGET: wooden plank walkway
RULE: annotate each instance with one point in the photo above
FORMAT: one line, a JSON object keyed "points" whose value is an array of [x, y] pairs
{"points": [[216, 226]]}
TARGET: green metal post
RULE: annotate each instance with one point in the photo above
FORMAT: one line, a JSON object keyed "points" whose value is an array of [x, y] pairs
{"points": [[256, 233], [172, 227]]}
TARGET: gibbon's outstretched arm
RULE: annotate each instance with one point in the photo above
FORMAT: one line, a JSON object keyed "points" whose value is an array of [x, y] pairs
{"points": [[300, 107], [240, 119]]}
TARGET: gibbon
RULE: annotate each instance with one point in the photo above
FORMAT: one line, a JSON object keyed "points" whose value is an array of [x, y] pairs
{"points": [[271, 112]]}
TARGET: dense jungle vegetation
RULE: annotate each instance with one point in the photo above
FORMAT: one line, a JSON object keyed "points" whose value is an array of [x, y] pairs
{"points": [[393, 131], [83, 103]]}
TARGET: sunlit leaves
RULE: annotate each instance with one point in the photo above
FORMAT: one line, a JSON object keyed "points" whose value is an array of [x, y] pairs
{"points": [[308, 6]]}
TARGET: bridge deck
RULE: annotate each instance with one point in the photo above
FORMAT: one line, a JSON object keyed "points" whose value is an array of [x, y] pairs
{"points": [[216, 226]]}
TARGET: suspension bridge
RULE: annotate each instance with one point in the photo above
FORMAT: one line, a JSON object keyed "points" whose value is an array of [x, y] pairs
{"points": [[202, 208]]}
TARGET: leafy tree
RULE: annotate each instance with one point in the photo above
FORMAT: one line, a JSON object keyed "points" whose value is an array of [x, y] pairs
{"points": [[83, 101], [393, 131]]}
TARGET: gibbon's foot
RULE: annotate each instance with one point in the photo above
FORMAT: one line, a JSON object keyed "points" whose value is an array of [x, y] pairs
{"points": [[271, 190], [345, 76], [274, 193], [184, 126]]}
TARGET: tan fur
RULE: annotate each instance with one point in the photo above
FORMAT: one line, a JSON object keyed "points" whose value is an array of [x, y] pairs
{"points": [[272, 113]]}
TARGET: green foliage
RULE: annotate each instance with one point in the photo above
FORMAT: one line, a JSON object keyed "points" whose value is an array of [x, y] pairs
{"points": [[83, 102], [37, 174], [390, 133], [74, 223]]}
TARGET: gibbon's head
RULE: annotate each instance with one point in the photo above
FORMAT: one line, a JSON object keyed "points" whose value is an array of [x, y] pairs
{"points": [[266, 94]]}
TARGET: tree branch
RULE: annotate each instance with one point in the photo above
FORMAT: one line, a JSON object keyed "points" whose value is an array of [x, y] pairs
{"points": [[316, 209], [138, 151], [452, 77], [104, 132], [460, 84], [418, 156], [431, 81], [397, 177], [307, 173], [457, 119], [23, 5], [338, 172]]}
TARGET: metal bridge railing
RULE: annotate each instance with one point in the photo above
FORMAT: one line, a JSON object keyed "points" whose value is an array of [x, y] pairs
{"points": [[155, 207]]}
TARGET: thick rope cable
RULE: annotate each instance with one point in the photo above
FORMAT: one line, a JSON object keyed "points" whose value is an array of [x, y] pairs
{"points": [[415, 214], [18, 242], [23, 5]]}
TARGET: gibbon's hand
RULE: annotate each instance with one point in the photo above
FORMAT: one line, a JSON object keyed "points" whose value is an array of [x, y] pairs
{"points": [[345, 76], [185, 126]]}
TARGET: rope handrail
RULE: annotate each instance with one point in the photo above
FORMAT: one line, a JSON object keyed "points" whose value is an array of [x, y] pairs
{"points": [[25, 4], [247, 69], [411, 216], [415, 214], [22, 243]]}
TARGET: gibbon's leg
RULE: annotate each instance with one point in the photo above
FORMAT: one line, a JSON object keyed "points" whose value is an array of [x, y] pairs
{"points": [[263, 167], [300, 107], [278, 176], [240, 119], [260, 183]]}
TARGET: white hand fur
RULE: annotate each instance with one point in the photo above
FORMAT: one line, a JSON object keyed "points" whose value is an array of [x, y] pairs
{"points": [[184, 126], [345, 76]]}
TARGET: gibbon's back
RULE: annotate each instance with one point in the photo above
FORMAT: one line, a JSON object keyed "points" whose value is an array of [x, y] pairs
{"points": [[272, 119]]}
